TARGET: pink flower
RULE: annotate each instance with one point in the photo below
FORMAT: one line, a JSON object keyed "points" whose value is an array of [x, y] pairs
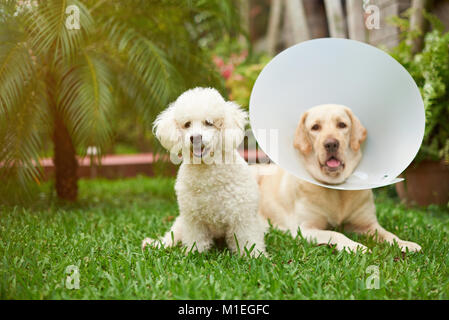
{"points": [[226, 71], [218, 61]]}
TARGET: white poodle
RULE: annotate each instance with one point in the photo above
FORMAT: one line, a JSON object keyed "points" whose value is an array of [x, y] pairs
{"points": [[217, 194]]}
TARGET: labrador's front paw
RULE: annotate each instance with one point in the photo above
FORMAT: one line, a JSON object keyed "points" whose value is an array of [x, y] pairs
{"points": [[353, 247], [408, 245]]}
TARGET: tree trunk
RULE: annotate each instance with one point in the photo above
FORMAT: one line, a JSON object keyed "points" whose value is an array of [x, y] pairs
{"points": [[335, 18], [316, 18], [245, 7], [66, 165], [356, 22], [417, 23], [384, 34], [441, 10], [273, 26], [296, 22]]}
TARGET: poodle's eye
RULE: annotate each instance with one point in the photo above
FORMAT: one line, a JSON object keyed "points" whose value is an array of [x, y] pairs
{"points": [[208, 123], [316, 127], [342, 125], [187, 124]]}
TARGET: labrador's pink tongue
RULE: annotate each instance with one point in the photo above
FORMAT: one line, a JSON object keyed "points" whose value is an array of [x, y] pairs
{"points": [[333, 163]]}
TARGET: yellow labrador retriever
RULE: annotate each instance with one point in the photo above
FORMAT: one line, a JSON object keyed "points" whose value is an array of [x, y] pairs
{"points": [[328, 138]]}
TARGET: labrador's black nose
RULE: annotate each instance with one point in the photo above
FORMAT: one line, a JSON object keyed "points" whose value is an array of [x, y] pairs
{"points": [[331, 145], [196, 138]]}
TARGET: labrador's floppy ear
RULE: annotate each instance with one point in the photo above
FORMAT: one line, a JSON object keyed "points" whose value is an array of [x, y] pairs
{"points": [[301, 141], [358, 131], [234, 124], [166, 129]]}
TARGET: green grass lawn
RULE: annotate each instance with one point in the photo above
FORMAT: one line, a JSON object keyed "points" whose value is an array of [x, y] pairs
{"points": [[101, 235]]}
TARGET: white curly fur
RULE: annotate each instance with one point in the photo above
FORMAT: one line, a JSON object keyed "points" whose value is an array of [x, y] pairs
{"points": [[216, 198]]}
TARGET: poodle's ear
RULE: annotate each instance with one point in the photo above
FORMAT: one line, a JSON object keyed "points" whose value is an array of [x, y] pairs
{"points": [[234, 124], [301, 140], [358, 131], [166, 130]]}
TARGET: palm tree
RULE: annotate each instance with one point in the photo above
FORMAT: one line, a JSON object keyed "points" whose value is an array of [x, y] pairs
{"points": [[63, 84]]}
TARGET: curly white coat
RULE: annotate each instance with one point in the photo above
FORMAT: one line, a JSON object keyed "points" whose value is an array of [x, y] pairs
{"points": [[217, 195]]}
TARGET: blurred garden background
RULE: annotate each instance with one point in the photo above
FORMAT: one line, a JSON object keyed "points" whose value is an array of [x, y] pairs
{"points": [[83, 179]]}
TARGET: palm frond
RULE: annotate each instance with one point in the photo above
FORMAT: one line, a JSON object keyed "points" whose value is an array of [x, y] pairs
{"points": [[7, 10], [16, 70], [215, 17], [86, 100], [48, 32], [20, 138], [148, 76]]}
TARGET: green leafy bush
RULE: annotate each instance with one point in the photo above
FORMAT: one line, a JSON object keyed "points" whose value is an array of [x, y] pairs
{"points": [[430, 69], [241, 82]]}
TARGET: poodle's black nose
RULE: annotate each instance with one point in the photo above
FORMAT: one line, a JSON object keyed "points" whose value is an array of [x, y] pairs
{"points": [[196, 138]]}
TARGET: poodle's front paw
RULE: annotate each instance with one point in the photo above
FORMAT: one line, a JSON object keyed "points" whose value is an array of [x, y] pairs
{"points": [[198, 246], [252, 252], [259, 253], [148, 242], [408, 245]]}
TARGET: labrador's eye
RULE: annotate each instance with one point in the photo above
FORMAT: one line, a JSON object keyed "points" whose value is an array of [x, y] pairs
{"points": [[187, 124], [316, 127], [208, 123], [342, 125]]}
